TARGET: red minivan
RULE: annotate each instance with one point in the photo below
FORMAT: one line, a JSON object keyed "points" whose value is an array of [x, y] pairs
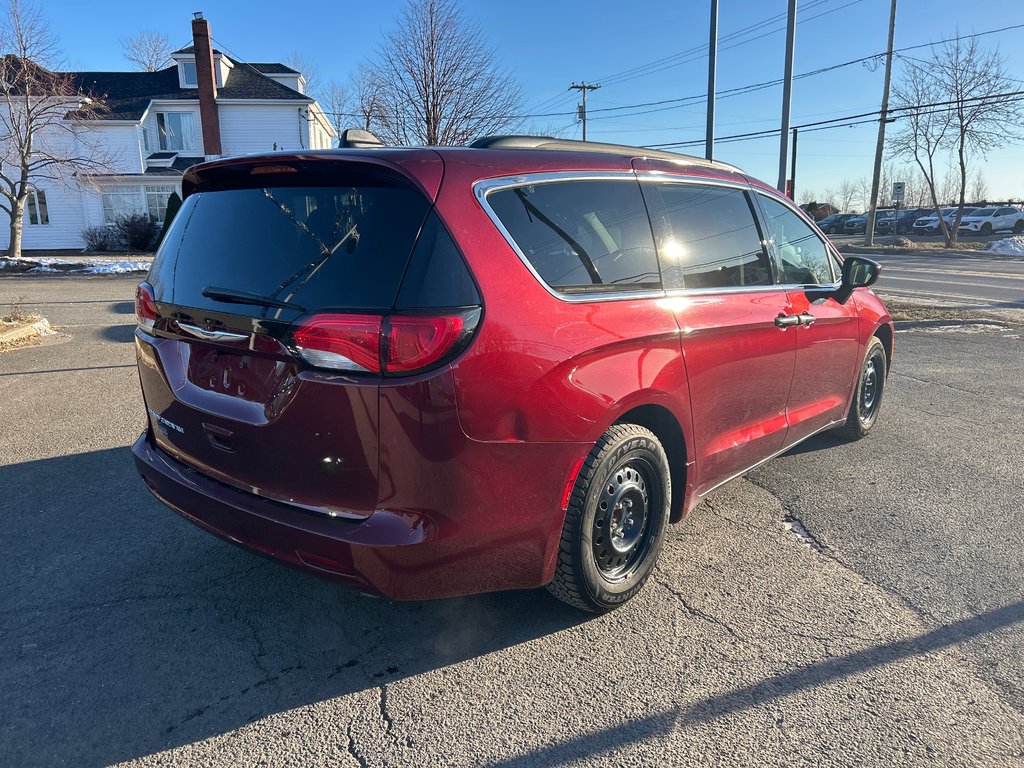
{"points": [[431, 372]]}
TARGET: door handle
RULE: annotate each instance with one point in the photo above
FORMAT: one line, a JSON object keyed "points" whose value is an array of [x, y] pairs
{"points": [[806, 318], [784, 320]]}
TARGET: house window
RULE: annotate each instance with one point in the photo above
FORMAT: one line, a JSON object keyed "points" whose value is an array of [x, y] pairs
{"points": [[36, 207], [188, 75], [129, 199], [156, 200], [177, 130], [122, 200]]}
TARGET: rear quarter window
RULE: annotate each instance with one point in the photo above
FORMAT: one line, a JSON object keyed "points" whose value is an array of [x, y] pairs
{"points": [[581, 236]]}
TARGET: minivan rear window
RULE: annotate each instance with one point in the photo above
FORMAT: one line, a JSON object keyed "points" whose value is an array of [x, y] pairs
{"points": [[317, 247], [582, 235]]}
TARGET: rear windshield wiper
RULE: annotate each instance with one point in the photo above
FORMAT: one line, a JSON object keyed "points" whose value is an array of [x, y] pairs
{"points": [[243, 297]]}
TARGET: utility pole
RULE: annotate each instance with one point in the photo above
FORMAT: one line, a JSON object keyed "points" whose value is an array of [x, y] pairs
{"points": [[709, 146], [583, 87], [792, 173], [787, 96], [869, 231]]}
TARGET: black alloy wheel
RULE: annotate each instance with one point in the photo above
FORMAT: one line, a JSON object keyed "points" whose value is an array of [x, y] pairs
{"points": [[867, 396], [615, 523]]}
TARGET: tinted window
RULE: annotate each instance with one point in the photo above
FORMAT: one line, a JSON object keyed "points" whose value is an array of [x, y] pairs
{"points": [[582, 235], [803, 257], [437, 275], [707, 236], [318, 247]]}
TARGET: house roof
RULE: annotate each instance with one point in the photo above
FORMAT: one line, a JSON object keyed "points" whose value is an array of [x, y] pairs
{"points": [[128, 94], [192, 49], [273, 66]]}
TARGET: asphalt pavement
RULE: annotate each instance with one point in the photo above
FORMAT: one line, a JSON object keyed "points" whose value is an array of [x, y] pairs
{"points": [[847, 604]]}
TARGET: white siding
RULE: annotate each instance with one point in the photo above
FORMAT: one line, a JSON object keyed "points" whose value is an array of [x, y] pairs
{"points": [[247, 128], [64, 209], [123, 142]]}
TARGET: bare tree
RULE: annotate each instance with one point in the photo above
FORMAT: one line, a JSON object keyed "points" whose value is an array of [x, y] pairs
{"points": [[983, 118], [922, 131], [440, 80], [966, 86], [336, 102], [309, 70], [368, 99], [148, 50], [45, 133], [831, 198], [847, 191], [979, 187], [863, 187]]}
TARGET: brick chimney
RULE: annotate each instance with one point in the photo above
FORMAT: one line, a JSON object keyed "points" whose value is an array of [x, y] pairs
{"points": [[207, 80]]}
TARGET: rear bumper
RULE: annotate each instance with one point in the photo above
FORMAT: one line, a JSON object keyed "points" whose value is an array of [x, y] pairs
{"points": [[464, 547]]}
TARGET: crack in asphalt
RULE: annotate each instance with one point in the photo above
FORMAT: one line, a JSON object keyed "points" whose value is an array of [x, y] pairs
{"points": [[698, 613], [354, 752]]}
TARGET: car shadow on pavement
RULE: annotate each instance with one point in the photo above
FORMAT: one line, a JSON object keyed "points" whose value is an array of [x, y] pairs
{"points": [[118, 333], [127, 631]]}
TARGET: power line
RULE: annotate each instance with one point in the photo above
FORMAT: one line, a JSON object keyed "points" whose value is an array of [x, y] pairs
{"points": [[737, 91], [852, 120]]}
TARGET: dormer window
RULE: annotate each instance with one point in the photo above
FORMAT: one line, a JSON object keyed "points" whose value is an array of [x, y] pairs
{"points": [[189, 79]]}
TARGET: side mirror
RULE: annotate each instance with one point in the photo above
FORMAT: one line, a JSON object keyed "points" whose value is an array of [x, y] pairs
{"points": [[858, 272]]}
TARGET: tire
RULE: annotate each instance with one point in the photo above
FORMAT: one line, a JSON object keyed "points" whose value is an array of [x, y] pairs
{"points": [[830, 231], [1018, 228], [626, 471], [986, 228], [867, 396]]}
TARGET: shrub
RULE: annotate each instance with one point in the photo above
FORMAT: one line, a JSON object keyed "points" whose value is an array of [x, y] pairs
{"points": [[102, 238], [136, 231], [173, 204]]}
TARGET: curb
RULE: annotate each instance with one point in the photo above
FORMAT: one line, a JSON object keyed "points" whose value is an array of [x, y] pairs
{"points": [[40, 327]]}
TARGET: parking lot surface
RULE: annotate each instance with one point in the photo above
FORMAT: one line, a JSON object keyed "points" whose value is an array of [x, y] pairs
{"points": [[846, 604]]}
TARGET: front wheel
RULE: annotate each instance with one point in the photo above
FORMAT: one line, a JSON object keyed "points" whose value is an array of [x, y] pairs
{"points": [[986, 228], [867, 397], [615, 524]]}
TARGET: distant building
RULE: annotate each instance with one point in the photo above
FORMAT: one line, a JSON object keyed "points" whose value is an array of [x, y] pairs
{"points": [[157, 124]]}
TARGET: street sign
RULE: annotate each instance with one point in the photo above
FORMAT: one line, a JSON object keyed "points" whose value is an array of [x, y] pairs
{"points": [[898, 189]]}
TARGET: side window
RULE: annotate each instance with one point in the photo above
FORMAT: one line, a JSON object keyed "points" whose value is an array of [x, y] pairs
{"points": [[582, 235], [707, 236], [803, 257]]}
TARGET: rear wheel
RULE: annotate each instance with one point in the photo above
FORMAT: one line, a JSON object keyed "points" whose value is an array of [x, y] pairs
{"points": [[867, 398], [615, 524], [1018, 228]]}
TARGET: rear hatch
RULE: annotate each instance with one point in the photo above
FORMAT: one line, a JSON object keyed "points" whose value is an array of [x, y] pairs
{"points": [[286, 291]]}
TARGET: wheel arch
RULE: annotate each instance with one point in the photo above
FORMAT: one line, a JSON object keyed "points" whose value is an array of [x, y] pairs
{"points": [[666, 427], [885, 335]]}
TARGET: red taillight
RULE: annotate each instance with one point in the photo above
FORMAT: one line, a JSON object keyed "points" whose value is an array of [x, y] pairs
{"points": [[388, 344], [341, 342], [145, 306], [417, 341]]}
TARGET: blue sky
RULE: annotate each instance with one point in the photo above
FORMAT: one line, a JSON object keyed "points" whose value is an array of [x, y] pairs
{"points": [[549, 44]]}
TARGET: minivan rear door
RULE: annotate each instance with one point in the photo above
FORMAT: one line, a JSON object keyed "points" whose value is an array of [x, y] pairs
{"points": [[737, 335], [258, 248]]}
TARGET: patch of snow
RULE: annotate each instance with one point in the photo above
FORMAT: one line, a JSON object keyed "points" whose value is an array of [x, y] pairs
{"points": [[117, 267], [964, 328], [43, 268], [1008, 246], [795, 527]]}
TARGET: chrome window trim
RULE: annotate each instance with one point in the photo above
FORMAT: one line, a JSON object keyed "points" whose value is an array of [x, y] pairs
{"points": [[482, 188]]}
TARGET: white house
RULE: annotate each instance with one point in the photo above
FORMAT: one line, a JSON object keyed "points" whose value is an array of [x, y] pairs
{"points": [[157, 124]]}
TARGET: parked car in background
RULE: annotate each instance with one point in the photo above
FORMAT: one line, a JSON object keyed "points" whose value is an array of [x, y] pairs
{"points": [[902, 223], [856, 225], [833, 225], [985, 221], [884, 221], [930, 224], [433, 371]]}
